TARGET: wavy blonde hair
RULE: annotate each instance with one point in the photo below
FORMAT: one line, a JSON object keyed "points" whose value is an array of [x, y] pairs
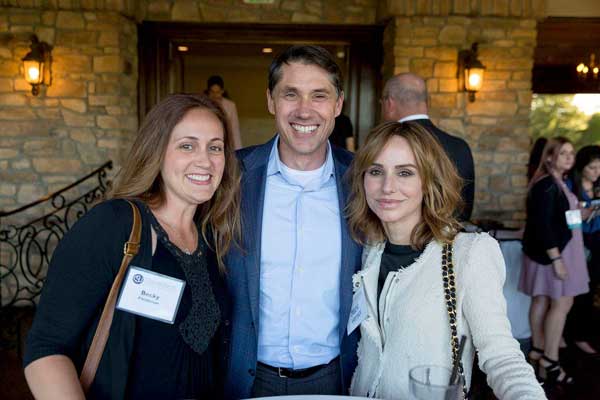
{"points": [[440, 180], [140, 177]]}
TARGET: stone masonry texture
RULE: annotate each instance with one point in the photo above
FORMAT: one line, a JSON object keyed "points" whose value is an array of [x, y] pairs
{"points": [[89, 113], [496, 125]]}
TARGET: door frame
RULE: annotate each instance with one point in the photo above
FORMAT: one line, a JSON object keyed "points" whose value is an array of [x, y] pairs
{"points": [[562, 43], [157, 53]]}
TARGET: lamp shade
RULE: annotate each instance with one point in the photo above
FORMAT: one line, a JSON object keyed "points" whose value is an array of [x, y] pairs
{"points": [[35, 64], [34, 71], [474, 78]]}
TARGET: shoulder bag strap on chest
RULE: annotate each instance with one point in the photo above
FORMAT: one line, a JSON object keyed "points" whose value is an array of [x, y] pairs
{"points": [[94, 355], [449, 281]]}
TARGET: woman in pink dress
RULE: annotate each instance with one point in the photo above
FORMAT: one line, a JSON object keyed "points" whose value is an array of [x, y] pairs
{"points": [[554, 266]]}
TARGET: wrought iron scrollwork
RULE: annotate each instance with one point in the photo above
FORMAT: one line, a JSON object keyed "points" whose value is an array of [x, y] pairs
{"points": [[26, 248]]}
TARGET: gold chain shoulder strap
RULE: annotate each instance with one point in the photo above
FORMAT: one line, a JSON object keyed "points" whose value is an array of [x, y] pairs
{"points": [[449, 281]]}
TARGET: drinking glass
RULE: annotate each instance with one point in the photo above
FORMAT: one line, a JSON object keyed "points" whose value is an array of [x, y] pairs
{"points": [[431, 382]]}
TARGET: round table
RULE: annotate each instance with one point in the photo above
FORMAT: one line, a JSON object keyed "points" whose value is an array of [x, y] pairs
{"points": [[309, 397]]}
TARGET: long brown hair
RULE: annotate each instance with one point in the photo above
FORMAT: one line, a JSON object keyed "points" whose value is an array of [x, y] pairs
{"points": [[549, 156], [140, 177], [585, 156], [441, 186]]}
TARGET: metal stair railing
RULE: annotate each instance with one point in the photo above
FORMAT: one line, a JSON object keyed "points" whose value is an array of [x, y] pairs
{"points": [[26, 247]]}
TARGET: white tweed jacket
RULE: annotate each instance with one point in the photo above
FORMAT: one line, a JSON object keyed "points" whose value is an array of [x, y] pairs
{"points": [[409, 326]]}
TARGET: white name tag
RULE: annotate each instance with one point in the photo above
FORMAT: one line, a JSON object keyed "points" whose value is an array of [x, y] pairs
{"points": [[573, 218], [358, 312], [151, 294]]}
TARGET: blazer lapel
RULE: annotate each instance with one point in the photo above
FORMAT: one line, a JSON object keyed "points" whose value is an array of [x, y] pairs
{"points": [[369, 277], [348, 250], [253, 195]]}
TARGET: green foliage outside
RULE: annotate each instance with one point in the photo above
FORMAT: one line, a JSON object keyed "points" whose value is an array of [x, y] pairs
{"points": [[555, 115]]}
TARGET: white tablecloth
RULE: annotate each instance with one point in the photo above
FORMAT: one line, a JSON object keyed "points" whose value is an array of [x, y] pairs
{"points": [[517, 303], [309, 397]]}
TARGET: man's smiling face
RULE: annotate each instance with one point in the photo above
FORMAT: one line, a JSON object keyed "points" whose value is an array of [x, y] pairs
{"points": [[305, 104]]}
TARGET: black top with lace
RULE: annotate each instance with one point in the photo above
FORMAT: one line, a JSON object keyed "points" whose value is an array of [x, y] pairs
{"points": [[185, 359]]}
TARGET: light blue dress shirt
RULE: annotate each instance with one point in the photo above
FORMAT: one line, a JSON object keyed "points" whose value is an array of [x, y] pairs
{"points": [[300, 267]]}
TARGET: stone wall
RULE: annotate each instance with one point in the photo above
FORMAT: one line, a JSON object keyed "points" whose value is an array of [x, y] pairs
{"points": [[87, 116], [472, 8], [496, 125], [281, 11], [89, 113]]}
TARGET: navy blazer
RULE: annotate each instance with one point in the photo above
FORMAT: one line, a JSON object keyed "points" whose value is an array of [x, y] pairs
{"points": [[244, 272]]}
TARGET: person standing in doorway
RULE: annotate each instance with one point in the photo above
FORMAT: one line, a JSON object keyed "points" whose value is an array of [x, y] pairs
{"points": [[343, 133], [291, 283], [215, 89]]}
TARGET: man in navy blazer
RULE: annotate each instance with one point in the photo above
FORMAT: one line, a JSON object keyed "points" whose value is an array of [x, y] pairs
{"points": [[291, 280], [405, 99]]}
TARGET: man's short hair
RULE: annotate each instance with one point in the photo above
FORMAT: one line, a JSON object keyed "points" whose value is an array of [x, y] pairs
{"points": [[403, 93], [308, 55]]}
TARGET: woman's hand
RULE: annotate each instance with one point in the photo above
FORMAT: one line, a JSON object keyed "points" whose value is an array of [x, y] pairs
{"points": [[559, 269], [585, 213]]}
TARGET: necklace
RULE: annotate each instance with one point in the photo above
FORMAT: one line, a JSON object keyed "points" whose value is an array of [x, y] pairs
{"points": [[179, 241]]}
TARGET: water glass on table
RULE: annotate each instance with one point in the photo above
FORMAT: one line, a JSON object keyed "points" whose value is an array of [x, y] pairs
{"points": [[432, 382]]}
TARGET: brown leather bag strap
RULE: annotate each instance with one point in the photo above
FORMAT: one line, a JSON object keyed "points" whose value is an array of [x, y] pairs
{"points": [[101, 336]]}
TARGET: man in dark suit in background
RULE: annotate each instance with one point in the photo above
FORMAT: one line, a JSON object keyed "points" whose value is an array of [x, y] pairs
{"points": [[291, 281], [405, 99]]}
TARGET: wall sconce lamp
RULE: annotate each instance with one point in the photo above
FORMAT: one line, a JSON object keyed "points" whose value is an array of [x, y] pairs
{"points": [[37, 65], [473, 71]]}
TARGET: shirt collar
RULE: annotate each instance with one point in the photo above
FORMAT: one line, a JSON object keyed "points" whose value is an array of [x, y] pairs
{"points": [[413, 117], [274, 166]]}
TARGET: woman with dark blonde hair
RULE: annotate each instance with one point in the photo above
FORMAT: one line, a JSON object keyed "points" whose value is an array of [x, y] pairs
{"points": [[168, 337], [554, 268], [424, 283]]}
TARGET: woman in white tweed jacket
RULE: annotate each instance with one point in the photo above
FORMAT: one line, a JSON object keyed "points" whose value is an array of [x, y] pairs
{"points": [[405, 194]]}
